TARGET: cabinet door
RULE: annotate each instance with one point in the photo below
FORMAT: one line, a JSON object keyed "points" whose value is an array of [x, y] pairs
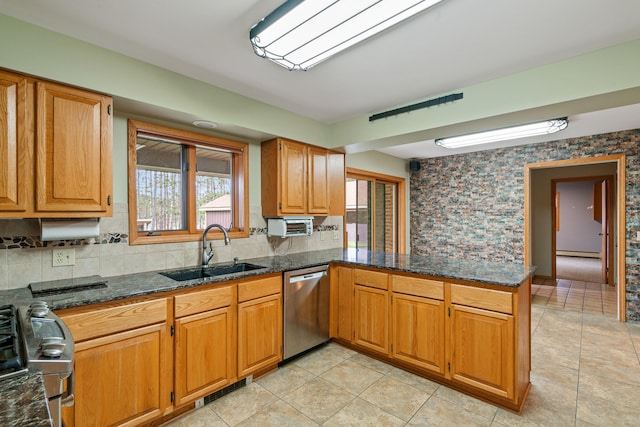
{"points": [[293, 180], [337, 184], [482, 353], [121, 379], [318, 196], [259, 334], [15, 157], [342, 302], [371, 318], [204, 356], [73, 140], [418, 332]]}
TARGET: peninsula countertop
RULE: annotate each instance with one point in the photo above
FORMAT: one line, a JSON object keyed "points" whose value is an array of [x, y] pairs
{"points": [[95, 289]]}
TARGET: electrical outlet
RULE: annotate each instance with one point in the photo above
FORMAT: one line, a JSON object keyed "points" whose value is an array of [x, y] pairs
{"points": [[322, 235], [62, 257], [336, 235]]}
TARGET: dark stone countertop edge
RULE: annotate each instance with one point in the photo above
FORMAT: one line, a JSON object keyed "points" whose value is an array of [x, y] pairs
{"points": [[149, 283], [23, 401]]}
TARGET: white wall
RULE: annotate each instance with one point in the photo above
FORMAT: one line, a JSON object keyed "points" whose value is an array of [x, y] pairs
{"points": [[578, 231]]}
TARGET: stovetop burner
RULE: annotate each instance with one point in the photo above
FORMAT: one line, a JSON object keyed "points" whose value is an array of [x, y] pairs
{"points": [[11, 362]]}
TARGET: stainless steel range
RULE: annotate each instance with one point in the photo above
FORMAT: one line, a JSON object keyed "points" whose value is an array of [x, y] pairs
{"points": [[32, 338]]}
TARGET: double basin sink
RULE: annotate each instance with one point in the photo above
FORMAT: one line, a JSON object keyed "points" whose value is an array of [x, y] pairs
{"points": [[193, 273]]}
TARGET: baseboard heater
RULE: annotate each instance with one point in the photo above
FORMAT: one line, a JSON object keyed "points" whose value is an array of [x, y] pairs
{"points": [[579, 254]]}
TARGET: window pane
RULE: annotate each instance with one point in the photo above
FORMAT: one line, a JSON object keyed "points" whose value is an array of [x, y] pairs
{"points": [[213, 187], [358, 213], [159, 185]]}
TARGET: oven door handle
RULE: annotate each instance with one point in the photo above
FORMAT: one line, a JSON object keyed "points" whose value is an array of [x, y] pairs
{"points": [[67, 398]]}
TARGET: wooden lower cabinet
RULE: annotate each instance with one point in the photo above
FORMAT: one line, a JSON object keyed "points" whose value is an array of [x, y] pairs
{"points": [[259, 325], [118, 378], [371, 318], [341, 282], [472, 338], [418, 332], [122, 378], [371, 310], [204, 356], [482, 348], [205, 331]]}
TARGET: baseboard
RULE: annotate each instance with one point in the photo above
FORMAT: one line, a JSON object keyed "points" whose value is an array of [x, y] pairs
{"points": [[579, 254]]}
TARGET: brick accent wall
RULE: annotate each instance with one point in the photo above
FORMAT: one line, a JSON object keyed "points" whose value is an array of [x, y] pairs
{"points": [[472, 205]]}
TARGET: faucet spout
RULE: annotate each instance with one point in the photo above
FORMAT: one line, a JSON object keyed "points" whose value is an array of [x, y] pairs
{"points": [[207, 252]]}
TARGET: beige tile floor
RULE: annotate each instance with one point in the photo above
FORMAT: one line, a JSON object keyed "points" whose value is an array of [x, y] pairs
{"points": [[585, 372]]}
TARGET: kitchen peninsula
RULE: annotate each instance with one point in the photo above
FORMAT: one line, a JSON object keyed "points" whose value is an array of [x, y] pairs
{"points": [[462, 323]]}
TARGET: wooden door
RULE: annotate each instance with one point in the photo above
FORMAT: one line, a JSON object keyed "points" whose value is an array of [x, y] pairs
{"points": [[318, 176], [482, 353], [293, 179], [204, 354], [73, 140], [119, 378], [15, 149], [259, 334], [371, 318], [418, 332]]}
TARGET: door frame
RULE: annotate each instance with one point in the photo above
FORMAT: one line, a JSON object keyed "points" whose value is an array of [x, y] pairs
{"points": [[401, 203], [620, 161], [555, 215]]}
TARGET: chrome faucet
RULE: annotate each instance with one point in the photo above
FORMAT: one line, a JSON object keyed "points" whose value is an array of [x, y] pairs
{"points": [[207, 253]]}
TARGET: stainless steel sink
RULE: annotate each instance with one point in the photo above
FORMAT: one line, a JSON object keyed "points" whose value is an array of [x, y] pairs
{"points": [[193, 273]]}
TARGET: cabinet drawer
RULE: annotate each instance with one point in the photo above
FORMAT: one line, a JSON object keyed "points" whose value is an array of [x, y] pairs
{"points": [[197, 302], [109, 320], [259, 288], [419, 287], [372, 279], [488, 299]]}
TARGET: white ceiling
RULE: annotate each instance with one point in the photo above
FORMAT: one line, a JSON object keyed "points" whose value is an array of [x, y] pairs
{"points": [[456, 44]]}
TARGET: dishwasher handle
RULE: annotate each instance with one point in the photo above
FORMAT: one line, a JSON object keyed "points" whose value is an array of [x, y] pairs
{"points": [[306, 277]]}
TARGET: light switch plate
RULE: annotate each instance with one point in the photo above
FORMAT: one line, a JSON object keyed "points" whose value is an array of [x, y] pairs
{"points": [[62, 257]]}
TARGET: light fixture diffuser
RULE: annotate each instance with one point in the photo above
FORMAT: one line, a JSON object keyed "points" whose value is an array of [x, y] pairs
{"points": [[504, 134], [300, 34]]}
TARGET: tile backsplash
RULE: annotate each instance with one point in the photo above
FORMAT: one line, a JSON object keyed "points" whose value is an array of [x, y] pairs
{"points": [[25, 259]]}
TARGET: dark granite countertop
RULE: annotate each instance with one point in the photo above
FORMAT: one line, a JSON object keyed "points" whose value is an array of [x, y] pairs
{"points": [[132, 285], [23, 401]]}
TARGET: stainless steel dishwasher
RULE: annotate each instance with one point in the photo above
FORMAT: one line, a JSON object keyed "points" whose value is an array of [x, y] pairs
{"points": [[306, 309]]}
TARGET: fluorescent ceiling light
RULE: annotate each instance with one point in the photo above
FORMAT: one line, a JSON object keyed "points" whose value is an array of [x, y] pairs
{"points": [[299, 34], [514, 132]]}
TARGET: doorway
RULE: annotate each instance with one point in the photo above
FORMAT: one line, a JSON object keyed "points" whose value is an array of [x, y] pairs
{"points": [[532, 228], [374, 212], [583, 229]]}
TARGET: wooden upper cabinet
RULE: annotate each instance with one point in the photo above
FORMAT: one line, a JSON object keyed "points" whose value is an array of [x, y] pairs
{"points": [[15, 153], [318, 177], [293, 178], [301, 179], [55, 150], [73, 140]]}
